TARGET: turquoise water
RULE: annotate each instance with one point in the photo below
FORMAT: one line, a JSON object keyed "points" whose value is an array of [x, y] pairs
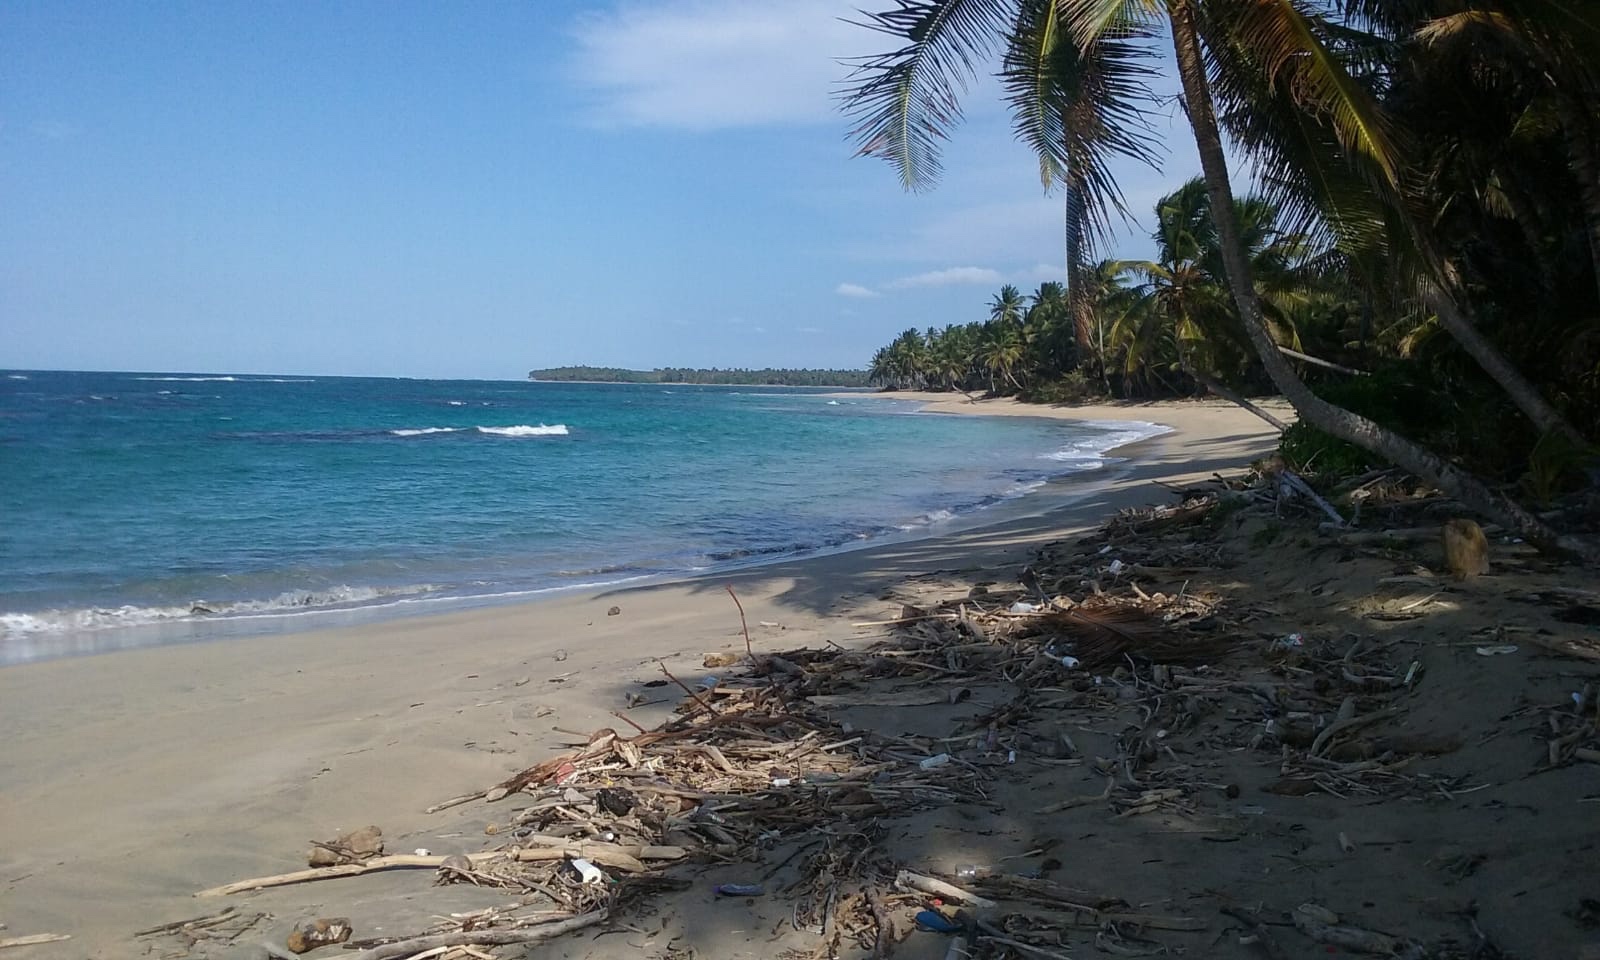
{"points": [[136, 499]]}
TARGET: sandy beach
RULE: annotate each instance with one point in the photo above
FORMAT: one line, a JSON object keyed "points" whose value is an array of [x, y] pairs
{"points": [[130, 780]]}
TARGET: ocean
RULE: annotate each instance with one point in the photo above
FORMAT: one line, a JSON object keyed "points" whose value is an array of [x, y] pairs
{"points": [[156, 508]]}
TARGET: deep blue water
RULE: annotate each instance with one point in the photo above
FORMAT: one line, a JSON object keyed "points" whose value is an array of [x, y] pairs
{"points": [[142, 498]]}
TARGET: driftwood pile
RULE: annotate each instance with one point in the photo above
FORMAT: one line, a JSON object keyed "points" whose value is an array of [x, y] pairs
{"points": [[754, 761]]}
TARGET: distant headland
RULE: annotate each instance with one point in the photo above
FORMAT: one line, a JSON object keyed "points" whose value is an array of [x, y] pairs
{"points": [[766, 377]]}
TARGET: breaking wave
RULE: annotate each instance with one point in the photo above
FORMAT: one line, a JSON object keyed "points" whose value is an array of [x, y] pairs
{"points": [[523, 430], [102, 618]]}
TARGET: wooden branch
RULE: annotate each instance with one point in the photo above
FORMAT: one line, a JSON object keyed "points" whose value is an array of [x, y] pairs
{"points": [[1071, 802], [1298, 483], [743, 624], [629, 859], [1320, 362], [207, 920], [917, 881], [708, 707], [32, 939], [456, 801], [487, 938]]}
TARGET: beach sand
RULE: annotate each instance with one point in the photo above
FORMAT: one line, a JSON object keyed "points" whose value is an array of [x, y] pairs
{"points": [[130, 780]]}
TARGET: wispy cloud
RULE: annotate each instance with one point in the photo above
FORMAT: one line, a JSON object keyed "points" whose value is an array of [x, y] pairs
{"points": [[854, 290], [714, 64], [947, 277], [807, 329]]}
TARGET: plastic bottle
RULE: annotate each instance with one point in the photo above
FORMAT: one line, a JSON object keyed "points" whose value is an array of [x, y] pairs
{"points": [[938, 760]]}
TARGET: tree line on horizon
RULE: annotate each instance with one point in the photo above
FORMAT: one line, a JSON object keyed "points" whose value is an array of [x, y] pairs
{"points": [[1417, 269], [739, 376]]}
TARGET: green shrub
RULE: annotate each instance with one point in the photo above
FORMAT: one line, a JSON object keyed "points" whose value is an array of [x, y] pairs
{"points": [[1309, 451], [1071, 387]]}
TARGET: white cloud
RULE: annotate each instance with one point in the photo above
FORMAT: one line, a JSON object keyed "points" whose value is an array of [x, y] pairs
{"points": [[947, 277], [807, 329], [714, 64], [854, 290], [1040, 272]]}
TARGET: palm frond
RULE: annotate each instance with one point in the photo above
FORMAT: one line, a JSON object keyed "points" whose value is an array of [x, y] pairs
{"points": [[1078, 106], [904, 102], [1294, 58]]}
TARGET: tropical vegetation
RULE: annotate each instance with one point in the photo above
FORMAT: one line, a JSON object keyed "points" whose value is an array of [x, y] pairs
{"points": [[1425, 211]]}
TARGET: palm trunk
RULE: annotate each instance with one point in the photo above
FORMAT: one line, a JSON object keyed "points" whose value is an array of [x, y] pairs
{"points": [[1332, 419], [1077, 306], [1521, 391]]}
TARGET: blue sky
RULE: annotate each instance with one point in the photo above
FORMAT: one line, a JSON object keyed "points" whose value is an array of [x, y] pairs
{"points": [[471, 190]]}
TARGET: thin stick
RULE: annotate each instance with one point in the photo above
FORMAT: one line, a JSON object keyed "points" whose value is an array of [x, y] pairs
{"points": [[32, 939], [709, 708], [629, 721], [616, 856], [487, 938], [743, 625], [456, 801], [180, 924]]}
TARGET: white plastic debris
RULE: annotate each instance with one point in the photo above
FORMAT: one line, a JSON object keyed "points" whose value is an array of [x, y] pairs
{"points": [[1071, 663], [937, 760], [423, 852], [1023, 607], [1497, 650], [1115, 568], [588, 871]]}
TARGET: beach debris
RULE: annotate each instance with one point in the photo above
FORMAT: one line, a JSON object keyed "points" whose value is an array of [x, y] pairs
{"points": [[478, 937], [33, 939], [1496, 650], [614, 612], [308, 935], [1466, 549], [354, 846], [1167, 683]]}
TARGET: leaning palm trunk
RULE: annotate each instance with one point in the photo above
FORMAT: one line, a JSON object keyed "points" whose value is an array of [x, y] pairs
{"points": [[1328, 417], [1212, 384], [1522, 392]]}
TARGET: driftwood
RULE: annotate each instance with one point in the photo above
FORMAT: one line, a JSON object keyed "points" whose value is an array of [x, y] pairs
{"points": [[32, 939], [1323, 927], [486, 938], [926, 884], [628, 859]]}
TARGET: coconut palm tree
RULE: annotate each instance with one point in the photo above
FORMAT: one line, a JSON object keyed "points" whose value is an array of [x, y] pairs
{"points": [[905, 100]]}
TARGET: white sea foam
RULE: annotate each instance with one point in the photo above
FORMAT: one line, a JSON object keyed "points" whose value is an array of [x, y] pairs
{"points": [[1088, 453], [294, 601], [420, 431], [456, 403], [190, 379], [16, 376], [523, 430]]}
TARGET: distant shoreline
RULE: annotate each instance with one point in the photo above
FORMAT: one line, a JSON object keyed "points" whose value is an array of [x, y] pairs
{"points": [[694, 383]]}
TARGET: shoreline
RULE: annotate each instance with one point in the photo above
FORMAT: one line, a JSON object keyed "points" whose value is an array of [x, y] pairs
{"points": [[113, 629], [134, 778]]}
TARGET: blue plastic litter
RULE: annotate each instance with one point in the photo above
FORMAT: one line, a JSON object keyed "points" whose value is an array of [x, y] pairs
{"points": [[936, 922]]}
